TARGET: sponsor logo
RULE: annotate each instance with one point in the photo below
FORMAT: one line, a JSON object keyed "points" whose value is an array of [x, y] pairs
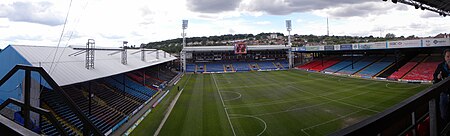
{"points": [[438, 42], [396, 43], [434, 42], [364, 46]]}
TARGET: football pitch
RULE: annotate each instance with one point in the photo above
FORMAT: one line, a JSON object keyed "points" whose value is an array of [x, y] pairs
{"points": [[278, 103]]}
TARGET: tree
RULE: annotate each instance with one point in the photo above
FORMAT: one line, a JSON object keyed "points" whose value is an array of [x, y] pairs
{"points": [[411, 37], [390, 36]]}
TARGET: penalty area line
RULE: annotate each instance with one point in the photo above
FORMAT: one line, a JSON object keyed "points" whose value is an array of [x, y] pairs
{"points": [[223, 104]]}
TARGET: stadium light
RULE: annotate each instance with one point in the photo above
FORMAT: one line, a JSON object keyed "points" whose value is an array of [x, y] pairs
{"points": [[184, 26], [288, 25], [289, 28]]}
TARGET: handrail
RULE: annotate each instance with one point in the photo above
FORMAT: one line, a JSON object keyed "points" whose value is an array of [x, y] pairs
{"points": [[377, 123], [87, 124], [39, 110], [10, 127]]}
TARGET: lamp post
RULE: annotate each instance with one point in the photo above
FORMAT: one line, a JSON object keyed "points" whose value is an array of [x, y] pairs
{"points": [[289, 28], [183, 53]]}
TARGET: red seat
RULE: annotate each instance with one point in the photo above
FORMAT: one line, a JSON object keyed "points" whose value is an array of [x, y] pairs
{"points": [[402, 71], [326, 64], [423, 129]]}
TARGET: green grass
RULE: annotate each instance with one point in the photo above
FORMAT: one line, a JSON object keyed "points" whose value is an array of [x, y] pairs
{"points": [[279, 103], [149, 125]]}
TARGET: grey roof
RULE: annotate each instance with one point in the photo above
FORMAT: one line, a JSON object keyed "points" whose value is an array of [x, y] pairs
{"points": [[71, 69], [231, 48]]}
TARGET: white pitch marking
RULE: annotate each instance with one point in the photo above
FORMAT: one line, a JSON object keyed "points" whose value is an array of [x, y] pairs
{"points": [[223, 104]]}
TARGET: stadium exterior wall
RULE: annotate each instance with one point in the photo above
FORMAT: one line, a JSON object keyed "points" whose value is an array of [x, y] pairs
{"points": [[12, 88], [421, 43], [9, 58]]}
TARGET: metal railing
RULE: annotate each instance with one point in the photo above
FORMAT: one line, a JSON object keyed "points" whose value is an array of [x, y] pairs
{"points": [[403, 116], [26, 107]]}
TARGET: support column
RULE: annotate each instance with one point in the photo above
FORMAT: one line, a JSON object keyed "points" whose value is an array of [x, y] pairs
{"points": [[433, 117], [27, 107]]}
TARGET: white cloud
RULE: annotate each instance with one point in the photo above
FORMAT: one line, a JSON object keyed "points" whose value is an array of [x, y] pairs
{"points": [[263, 23], [110, 22], [33, 12], [400, 22], [4, 22]]}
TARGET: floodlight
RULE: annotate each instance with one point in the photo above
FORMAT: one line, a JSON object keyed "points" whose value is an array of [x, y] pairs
{"points": [[288, 25], [185, 24]]}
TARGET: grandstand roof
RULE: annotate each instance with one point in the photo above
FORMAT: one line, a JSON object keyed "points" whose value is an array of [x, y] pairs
{"points": [[231, 48], [71, 69], [439, 6]]}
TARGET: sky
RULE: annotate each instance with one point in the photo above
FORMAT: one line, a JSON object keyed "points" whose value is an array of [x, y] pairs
{"points": [[110, 22]]}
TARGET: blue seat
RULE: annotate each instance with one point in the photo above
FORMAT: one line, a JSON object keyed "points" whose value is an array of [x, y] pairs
{"points": [[359, 65], [241, 66], [377, 67], [214, 67]]}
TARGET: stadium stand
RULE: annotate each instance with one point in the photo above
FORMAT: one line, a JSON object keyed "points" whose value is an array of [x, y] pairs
{"points": [[162, 73], [310, 65], [377, 67], [200, 68], [284, 64], [241, 66], [125, 89], [145, 80], [114, 99], [133, 85], [214, 67], [424, 70], [111, 103], [253, 66], [267, 65], [407, 67], [359, 65], [229, 67], [102, 116], [190, 68], [328, 63], [343, 64]]}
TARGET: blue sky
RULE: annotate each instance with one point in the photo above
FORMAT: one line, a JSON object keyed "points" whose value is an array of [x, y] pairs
{"points": [[109, 22]]}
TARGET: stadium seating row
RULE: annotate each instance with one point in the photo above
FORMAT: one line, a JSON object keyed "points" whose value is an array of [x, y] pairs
{"points": [[424, 70], [377, 67], [341, 65], [406, 68], [236, 66], [420, 68], [326, 64], [103, 118], [114, 98]]}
